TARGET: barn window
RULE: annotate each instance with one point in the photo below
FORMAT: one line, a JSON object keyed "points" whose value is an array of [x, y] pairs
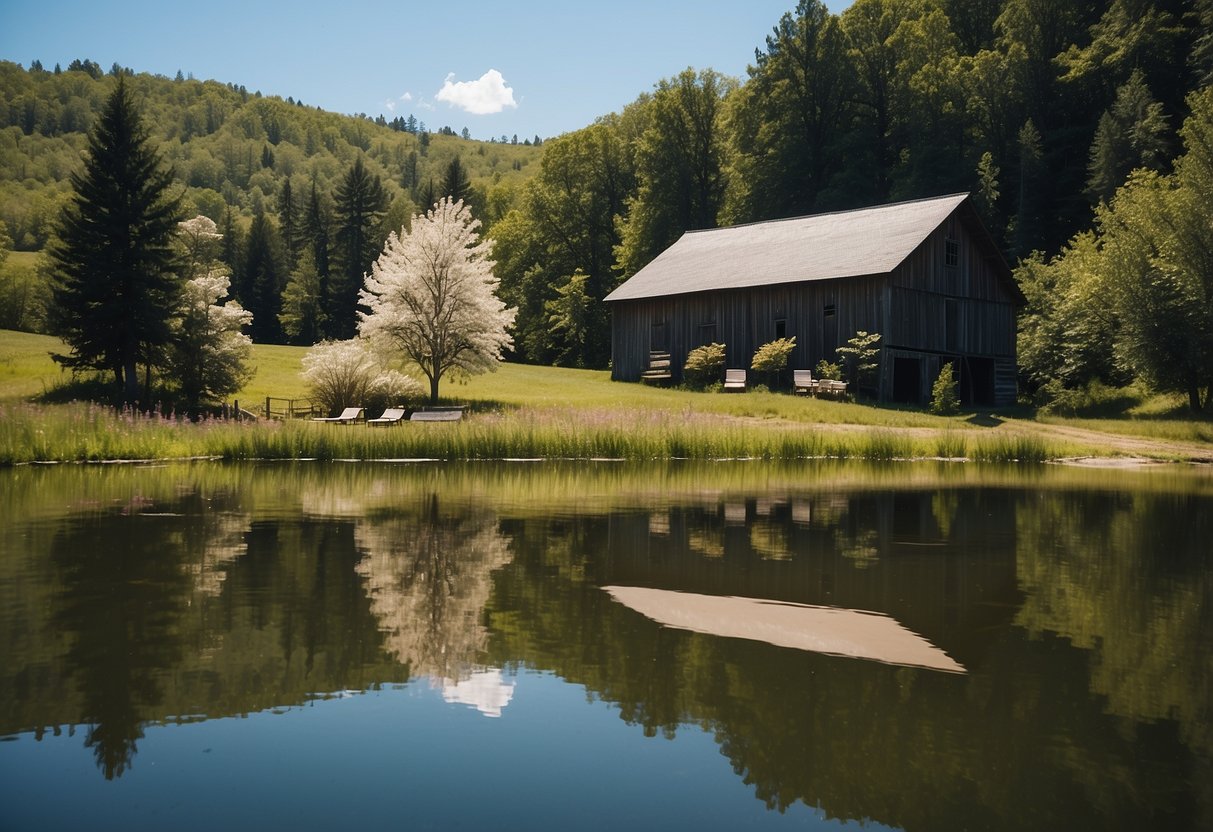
{"points": [[781, 327], [829, 331], [951, 253], [707, 334]]}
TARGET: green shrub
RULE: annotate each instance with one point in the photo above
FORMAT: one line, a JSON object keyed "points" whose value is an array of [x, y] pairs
{"points": [[944, 401], [704, 365], [825, 369], [861, 357], [773, 357]]}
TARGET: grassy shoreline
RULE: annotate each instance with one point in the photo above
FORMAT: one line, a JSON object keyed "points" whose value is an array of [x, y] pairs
{"points": [[531, 412], [89, 433]]}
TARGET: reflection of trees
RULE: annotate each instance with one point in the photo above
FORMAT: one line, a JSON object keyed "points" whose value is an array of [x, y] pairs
{"points": [[428, 576], [123, 611], [1018, 743], [1127, 577]]}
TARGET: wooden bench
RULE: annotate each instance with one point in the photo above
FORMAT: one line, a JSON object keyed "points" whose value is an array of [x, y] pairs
{"points": [[658, 369]]}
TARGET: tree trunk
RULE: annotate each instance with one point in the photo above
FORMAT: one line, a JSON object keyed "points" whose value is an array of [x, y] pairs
{"points": [[1194, 398], [434, 388], [130, 379]]}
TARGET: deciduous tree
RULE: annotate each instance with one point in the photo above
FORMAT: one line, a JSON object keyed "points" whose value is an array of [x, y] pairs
{"points": [[432, 297]]}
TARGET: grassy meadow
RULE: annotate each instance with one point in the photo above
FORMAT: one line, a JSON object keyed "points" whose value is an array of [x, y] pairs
{"points": [[524, 411]]}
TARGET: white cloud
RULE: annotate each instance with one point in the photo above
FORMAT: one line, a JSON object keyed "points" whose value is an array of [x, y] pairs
{"points": [[408, 96], [390, 104], [482, 97]]}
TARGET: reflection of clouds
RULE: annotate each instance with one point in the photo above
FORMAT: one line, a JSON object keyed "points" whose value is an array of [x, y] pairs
{"points": [[429, 579], [485, 690]]}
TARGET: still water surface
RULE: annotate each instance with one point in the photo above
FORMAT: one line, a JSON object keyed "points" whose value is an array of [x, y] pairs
{"points": [[709, 646]]}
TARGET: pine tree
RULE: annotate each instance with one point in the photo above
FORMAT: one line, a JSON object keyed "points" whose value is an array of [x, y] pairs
{"points": [[288, 221], [455, 182], [1131, 134], [360, 200], [302, 314], [264, 276], [316, 227], [231, 251], [115, 265]]}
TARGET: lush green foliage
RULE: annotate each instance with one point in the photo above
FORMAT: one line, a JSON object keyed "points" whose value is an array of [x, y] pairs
{"points": [[944, 400], [771, 358], [892, 99], [860, 358], [705, 364], [1135, 298]]}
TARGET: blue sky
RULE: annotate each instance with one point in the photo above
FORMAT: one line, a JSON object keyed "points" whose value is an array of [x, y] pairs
{"points": [[497, 68]]}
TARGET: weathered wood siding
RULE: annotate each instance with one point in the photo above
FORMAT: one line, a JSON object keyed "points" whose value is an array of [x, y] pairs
{"points": [[745, 319], [928, 311]]}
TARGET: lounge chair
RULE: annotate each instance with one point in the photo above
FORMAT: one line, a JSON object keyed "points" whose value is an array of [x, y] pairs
{"points": [[347, 417], [452, 413], [734, 381], [391, 416], [832, 388], [802, 382]]}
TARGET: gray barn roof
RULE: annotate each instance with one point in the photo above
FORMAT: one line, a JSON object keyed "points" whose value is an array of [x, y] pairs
{"points": [[868, 241]]}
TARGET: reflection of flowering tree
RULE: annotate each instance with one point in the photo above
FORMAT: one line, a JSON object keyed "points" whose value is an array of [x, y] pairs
{"points": [[428, 576]]}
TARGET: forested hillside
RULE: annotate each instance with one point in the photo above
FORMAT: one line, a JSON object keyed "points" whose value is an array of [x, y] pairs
{"points": [[1041, 108], [282, 180]]}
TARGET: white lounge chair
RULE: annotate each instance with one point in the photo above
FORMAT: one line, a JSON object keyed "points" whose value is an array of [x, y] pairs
{"points": [[347, 417], [391, 416], [734, 381]]}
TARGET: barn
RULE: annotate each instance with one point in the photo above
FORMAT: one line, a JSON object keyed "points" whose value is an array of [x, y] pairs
{"points": [[925, 274]]}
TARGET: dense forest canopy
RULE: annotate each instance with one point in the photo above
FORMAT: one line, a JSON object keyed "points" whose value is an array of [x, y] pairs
{"points": [[1040, 108]]}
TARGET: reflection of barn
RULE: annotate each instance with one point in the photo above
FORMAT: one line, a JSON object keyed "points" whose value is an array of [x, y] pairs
{"points": [[923, 274], [873, 551]]}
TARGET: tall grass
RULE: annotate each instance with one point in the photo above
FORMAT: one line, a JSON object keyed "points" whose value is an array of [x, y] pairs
{"points": [[30, 433]]}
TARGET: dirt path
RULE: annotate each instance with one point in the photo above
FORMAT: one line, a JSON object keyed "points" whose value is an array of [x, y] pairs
{"points": [[1115, 449], [1133, 446]]}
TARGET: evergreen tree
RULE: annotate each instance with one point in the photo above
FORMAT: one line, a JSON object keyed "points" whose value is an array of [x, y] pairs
{"points": [[114, 262], [288, 221], [302, 315], [317, 222], [1133, 133], [427, 197], [360, 200], [1025, 228], [455, 182], [231, 250], [264, 278], [410, 178]]}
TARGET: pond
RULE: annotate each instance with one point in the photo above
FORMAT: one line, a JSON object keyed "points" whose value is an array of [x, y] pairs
{"points": [[605, 645]]}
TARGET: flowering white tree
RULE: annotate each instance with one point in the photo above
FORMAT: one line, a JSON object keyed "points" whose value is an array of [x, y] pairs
{"points": [[433, 297], [209, 353], [209, 356]]}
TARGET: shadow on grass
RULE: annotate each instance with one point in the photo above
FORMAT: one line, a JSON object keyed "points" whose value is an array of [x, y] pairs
{"points": [[984, 420], [82, 388]]}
